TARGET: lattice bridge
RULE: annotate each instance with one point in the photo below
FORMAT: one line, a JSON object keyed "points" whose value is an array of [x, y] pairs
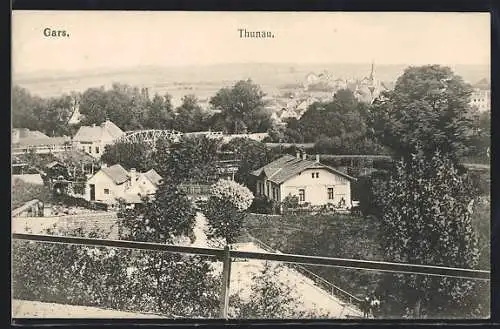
{"points": [[150, 136]]}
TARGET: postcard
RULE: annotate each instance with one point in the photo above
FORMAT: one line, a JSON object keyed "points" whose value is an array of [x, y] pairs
{"points": [[250, 165]]}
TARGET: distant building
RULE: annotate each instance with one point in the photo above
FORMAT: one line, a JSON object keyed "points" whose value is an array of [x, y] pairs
{"points": [[93, 139], [25, 141], [369, 88], [481, 96], [111, 184], [76, 117], [310, 181], [365, 90]]}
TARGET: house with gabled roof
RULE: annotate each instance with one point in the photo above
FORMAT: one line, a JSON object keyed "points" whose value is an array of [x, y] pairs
{"points": [[310, 181], [93, 139], [25, 140], [113, 183], [481, 95]]}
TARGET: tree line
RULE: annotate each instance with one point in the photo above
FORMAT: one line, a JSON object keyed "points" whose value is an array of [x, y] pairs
{"points": [[429, 105], [236, 109]]}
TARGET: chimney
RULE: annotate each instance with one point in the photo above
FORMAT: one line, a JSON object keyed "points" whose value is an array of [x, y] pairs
{"points": [[133, 175], [298, 155], [317, 158], [304, 156]]}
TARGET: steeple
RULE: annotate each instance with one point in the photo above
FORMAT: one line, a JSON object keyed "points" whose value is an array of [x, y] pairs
{"points": [[372, 72]]}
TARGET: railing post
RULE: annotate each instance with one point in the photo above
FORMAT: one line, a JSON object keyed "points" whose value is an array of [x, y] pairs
{"points": [[226, 278]]}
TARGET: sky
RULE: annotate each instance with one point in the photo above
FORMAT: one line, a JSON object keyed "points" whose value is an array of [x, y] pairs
{"points": [[115, 40]]}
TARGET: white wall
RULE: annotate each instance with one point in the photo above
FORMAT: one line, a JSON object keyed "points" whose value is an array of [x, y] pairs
{"points": [[101, 182], [101, 144], [142, 186], [316, 189]]}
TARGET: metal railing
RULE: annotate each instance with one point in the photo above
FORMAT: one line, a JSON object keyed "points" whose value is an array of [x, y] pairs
{"points": [[334, 290], [226, 255]]}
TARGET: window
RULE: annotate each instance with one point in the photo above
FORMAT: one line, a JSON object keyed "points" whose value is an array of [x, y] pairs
{"points": [[312, 175], [330, 193], [90, 149], [317, 175], [341, 180], [106, 191], [341, 198], [302, 195], [97, 149]]}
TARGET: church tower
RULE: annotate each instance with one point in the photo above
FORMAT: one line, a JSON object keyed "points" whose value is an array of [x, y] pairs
{"points": [[371, 80], [372, 72]]}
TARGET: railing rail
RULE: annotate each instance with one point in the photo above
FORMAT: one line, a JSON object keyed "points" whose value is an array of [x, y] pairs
{"points": [[328, 286], [226, 255]]}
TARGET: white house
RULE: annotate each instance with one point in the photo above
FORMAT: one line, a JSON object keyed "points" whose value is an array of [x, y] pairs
{"points": [[25, 140], [92, 140], [112, 183], [481, 95], [311, 181]]}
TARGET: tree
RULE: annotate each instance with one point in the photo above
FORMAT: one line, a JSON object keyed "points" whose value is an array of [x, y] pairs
{"points": [[481, 138], [426, 220], [242, 107], [178, 284], [190, 116], [169, 214], [428, 109], [350, 134], [225, 209], [49, 116], [23, 105], [160, 113], [251, 156], [126, 106], [189, 159], [128, 154], [55, 115]]}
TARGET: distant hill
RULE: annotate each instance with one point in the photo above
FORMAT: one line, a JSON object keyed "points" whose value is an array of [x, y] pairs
{"points": [[203, 81]]}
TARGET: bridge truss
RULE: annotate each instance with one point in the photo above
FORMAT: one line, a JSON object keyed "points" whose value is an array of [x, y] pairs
{"points": [[151, 136]]}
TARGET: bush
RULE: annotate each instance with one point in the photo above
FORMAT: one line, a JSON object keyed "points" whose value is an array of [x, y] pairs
{"points": [[236, 194], [225, 209], [23, 192], [291, 202], [71, 201], [262, 205]]}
